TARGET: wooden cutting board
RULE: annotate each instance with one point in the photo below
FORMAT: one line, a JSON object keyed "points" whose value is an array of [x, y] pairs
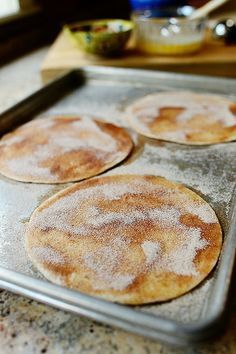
{"points": [[214, 59]]}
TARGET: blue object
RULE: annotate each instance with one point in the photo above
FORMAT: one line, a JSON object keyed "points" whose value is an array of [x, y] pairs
{"points": [[151, 4], [165, 12]]}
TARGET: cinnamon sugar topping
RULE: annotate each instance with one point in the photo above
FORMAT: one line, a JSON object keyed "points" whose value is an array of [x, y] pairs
{"points": [[167, 243]]}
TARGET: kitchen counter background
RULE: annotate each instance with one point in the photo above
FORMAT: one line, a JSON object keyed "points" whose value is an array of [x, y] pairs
{"points": [[28, 327]]}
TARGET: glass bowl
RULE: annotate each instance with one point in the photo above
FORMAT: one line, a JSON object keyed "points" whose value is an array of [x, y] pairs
{"points": [[172, 33]]}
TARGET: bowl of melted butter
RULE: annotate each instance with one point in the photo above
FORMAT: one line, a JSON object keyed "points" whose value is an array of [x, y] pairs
{"points": [[168, 31]]}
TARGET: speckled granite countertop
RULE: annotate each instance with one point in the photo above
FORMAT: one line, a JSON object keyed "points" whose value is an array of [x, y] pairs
{"points": [[27, 327]]}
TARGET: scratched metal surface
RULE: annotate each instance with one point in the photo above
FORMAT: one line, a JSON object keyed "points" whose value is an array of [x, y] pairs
{"points": [[208, 170]]}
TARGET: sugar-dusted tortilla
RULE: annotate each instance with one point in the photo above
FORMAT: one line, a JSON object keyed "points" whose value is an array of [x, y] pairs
{"points": [[129, 239], [62, 149], [184, 117]]}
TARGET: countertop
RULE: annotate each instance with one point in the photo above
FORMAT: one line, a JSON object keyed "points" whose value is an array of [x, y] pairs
{"points": [[28, 327]]}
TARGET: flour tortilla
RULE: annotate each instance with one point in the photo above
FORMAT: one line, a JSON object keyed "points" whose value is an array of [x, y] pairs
{"points": [[126, 238], [62, 149], [184, 117]]}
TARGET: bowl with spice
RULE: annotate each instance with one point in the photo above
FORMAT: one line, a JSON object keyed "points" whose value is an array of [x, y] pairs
{"points": [[102, 37]]}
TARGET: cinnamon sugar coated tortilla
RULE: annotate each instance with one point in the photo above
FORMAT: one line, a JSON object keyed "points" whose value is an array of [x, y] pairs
{"points": [[184, 117], [62, 149], [126, 238]]}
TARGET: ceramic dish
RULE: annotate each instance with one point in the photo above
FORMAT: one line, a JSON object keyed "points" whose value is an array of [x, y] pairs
{"points": [[102, 37]]}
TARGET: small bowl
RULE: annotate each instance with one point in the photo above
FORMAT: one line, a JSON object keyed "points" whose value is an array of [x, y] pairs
{"points": [[102, 37], [168, 31]]}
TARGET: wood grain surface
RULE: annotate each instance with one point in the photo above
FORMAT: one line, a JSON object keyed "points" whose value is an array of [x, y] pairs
{"points": [[215, 58]]}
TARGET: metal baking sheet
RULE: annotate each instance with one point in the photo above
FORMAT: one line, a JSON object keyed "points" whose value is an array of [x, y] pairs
{"points": [[208, 170]]}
